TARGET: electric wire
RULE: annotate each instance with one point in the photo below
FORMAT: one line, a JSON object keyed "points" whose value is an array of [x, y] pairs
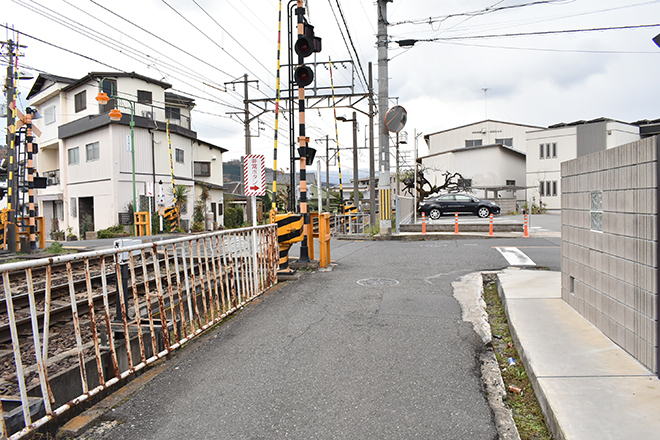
{"points": [[525, 34], [487, 10], [163, 40], [183, 69], [230, 35], [213, 41], [102, 39], [350, 38]]}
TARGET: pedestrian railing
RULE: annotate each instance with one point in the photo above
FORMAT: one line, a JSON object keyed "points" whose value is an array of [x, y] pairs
{"points": [[75, 325], [357, 224]]}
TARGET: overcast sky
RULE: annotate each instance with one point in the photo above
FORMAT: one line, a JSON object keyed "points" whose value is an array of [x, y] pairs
{"points": [[199, 45]]}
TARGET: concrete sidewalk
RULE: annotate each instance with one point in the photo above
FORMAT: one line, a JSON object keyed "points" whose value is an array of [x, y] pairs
{"points": [[588, 386]]}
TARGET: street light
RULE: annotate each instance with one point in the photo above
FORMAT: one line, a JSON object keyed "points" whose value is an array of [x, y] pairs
{"points": [[356, 197], [115, 116]]}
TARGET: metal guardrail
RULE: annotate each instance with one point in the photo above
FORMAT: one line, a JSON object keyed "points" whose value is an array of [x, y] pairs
{"points": [[186, 285], [357, 224]]}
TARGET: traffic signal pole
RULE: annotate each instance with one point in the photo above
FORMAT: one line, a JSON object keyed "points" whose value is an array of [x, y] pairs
{"points": [[384, 190], [302, 142]]}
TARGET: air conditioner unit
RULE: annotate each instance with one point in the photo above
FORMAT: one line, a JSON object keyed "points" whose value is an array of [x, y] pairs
{"points": [[147, 114], [52, 181]]}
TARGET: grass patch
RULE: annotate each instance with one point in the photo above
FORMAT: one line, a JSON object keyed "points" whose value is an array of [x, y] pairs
{"points": [[521, 398]]}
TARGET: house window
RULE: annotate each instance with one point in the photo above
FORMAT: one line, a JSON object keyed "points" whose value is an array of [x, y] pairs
{"points": [[92, 151], [172, 113], [80, 101], [58, 210], [505, 141], [179, 155], [554, 149], [144, 97], [511, 183], [554, 187], [547, 151], [49, 115], [74, 156], [541, 188], [202, 169], [473, 143], [110, 88], [548, 185], [73, 205], [541, 150], [597, 211]]}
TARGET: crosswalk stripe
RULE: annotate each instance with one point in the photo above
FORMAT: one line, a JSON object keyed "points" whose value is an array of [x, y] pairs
{"points": [[515, 256]]}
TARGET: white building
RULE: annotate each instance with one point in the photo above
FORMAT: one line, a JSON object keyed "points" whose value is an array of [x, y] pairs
{"points": [[548, 148], [87, 158], [489, 154]]}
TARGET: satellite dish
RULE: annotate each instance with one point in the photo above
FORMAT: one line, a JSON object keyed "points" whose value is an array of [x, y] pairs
{"points": [[395, 119]]}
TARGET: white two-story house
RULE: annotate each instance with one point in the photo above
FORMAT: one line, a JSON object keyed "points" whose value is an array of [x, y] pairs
{"points": [[96, 166], [548, 148]]}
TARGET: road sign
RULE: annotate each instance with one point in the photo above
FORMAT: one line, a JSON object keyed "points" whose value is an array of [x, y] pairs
{"points": [[254, 175], [395, 119], [150, 189]]}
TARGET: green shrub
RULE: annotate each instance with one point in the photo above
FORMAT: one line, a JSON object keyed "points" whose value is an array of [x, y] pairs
{"points": [[110, 232], [233, 217], [55, 248]]}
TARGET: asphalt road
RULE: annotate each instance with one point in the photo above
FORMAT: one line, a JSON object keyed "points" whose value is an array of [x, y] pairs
{"points": [[374, 349]]}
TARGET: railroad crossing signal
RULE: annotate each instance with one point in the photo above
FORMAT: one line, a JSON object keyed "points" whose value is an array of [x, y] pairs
{"points": [[306, 45]]}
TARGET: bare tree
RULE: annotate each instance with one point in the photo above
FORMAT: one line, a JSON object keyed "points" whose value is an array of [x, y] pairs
{"points": [[449, 182]]}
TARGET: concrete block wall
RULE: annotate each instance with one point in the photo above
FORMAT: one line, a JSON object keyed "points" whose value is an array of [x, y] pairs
{"points": [[611, 276]]}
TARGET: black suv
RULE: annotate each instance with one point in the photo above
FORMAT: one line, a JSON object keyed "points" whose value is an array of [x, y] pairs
{"points": [[461, 203]]}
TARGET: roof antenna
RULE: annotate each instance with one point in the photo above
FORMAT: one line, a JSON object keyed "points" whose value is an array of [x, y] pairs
{"points": [[485, 103]]}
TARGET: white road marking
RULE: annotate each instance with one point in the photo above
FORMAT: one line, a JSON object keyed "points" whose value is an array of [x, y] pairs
{"points": [[515, 256]]}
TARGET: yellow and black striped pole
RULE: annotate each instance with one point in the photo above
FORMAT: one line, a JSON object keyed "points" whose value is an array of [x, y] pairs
{"points": [[334, 109], [277, 108], [303, 140]]}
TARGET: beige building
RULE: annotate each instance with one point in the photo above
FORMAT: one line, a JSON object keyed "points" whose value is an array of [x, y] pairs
{"points": [[490, 155]]}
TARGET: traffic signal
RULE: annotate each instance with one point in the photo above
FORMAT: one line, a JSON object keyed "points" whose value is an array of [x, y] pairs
{"points": [[306, 45]]}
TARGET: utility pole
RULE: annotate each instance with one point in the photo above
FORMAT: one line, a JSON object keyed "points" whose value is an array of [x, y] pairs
{"points": [[372, 159], [356, 192], [384, 189], [246, 123], [327, 173], [397, 163]]}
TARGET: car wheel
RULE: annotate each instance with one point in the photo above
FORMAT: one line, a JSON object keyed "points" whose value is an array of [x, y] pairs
{"points": [[483, 212], [435, 214]]}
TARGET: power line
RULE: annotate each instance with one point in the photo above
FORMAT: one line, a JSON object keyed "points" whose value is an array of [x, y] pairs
{"points": [[524, 34], [213, 41], [230, 35], [537, 49], [488, 10], [163, 40], [64, 49], [105, 40], [357, 56]]}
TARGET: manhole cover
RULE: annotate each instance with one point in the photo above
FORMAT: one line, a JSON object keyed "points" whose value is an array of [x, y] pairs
{"points": [[377, 282]]}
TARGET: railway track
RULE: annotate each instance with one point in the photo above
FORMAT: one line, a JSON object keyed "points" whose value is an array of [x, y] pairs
{"points": [[62, 313]]}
